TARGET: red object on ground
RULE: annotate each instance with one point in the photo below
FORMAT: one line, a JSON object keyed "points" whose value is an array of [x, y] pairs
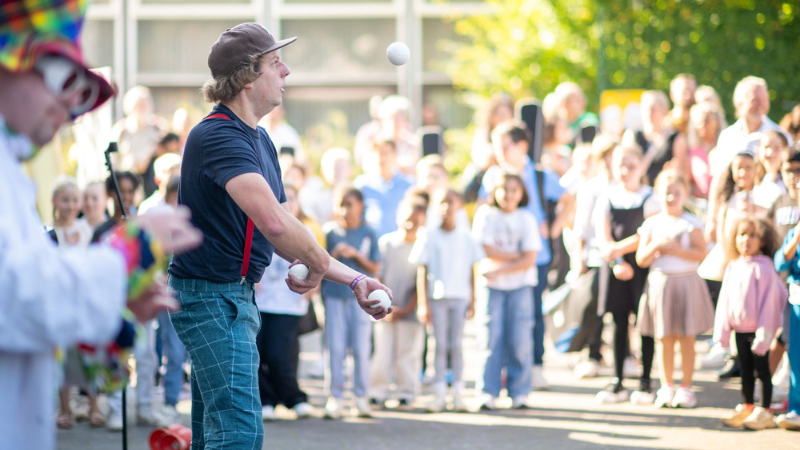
{"points": [[176, 437]]}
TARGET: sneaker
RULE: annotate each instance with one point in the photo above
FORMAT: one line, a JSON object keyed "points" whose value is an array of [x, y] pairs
{"points": [[487, 403], [684, 398], [114, 421], [587, 369], [664, 397], [146, 416], [303, 410], [739, 415], [790, 421], [458, 404], [779, 407], [377, 404], [169, 415], [716, 357], [613, 393], [644, 395], [267, 413], [520, 402], [760, 419], [404, 405], [332, 409], [538, 380], [362, 408], [436, 405], [630, 369]]}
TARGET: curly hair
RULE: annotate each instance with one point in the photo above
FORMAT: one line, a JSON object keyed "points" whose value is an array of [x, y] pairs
{"points": [[765, 231], [226, 87]]}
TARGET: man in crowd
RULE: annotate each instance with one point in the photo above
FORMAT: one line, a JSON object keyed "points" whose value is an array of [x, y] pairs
{"points": [[230, 179], [50, 298]]}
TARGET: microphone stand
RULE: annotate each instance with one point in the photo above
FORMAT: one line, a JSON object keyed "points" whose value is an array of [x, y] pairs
{"points": [[112, 148]]}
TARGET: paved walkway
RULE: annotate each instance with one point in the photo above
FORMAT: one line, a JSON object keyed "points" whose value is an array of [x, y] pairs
{"points": [[564, 418]]}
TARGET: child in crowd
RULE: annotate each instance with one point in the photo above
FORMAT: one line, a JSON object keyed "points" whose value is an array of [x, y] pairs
{"points": [[351, 241], [69, 231], [278, 340], [751, 303], [771, 149], [446, 294], [94, 203], [618, 215], [399, 336], [676, 305], [510, 239], [787, 259], [431, 177]]}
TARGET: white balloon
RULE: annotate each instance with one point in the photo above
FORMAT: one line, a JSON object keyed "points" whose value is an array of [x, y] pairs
{"points": [[382, 296], [299, 271], [398, 53]]}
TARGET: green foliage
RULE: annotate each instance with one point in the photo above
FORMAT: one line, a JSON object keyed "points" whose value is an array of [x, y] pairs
{"points": [[528, 46]]}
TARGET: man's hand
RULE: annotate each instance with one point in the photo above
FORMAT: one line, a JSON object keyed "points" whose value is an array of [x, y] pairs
{"points": [[303, 286], [173, 230], [623, 271], [152, 302], [362, 290]]}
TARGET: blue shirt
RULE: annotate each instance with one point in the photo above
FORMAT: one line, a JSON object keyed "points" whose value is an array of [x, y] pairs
{"points": [[382, 198], [793, 265], [362, 239], [216, 151], [553, 191]]}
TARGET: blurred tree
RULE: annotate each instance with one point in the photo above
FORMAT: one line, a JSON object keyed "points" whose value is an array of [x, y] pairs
{"points": [[528, 46]]}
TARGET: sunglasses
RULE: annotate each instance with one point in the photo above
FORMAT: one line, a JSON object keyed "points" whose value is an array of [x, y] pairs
{"points": [[65, 79]]}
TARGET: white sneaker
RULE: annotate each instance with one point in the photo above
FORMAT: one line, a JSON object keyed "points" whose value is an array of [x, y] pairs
{"points": [[664, 397], [332, 409], [436, 405], [114, 421], [267, 413], [644, 395], [630, 369], [760, 419], [362, 408], [789, 421], [587, 369], [520, 402], [716, 357], [169, 415], [146, 416], [684, 398], [538, 381], [486, 402], [303, 410], [458, 404], [613, 393]]}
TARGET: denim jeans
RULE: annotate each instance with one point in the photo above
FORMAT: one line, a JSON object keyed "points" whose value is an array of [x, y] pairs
{"points": [[279, 349], [538, 317], [175, 352], [505, 321], [347, 326], [218, 324]]}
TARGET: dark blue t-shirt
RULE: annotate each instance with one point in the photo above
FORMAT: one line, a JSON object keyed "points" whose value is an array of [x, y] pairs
{"points": [[216, 151]]}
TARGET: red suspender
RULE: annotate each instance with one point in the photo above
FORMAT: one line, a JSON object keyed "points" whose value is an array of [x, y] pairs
{"points": [[248, 240]]}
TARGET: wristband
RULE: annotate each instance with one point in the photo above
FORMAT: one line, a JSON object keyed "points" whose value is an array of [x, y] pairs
{"points": [[357, 280], [616, 262]]}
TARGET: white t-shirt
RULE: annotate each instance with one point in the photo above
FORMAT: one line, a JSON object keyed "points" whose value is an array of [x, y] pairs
{"points": [[766, 192], [584, 225], [619, 198], [449, 257], [78, 235], [274, 296], [507, 232], [736, 137], [663, 226]]}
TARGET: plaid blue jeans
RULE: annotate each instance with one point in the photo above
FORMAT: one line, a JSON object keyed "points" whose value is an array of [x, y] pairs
{"points": [[218, 324]]}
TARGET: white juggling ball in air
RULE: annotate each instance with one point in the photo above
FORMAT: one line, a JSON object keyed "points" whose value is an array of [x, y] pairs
{"points": [[299, 271], [398, 53], [382, 296]]}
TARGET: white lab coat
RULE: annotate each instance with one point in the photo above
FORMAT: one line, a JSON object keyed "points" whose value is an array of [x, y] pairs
{"points": [[48, 298]]}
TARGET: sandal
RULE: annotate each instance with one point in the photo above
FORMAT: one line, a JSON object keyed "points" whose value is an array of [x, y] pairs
{"points": [[96, 419], [64, 421]]}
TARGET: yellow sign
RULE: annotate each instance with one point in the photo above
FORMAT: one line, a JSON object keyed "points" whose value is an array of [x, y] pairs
{"points": [[620, 110]]}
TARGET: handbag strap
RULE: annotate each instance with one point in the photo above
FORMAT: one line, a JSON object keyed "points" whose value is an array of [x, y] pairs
{"points": [[248, 240]]}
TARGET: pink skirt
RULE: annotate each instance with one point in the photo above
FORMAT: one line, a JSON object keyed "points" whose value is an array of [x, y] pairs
{"points": [[675, 305]]}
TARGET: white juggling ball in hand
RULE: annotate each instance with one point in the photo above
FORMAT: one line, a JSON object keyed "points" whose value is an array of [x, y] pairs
{"points": [[382, 296]]}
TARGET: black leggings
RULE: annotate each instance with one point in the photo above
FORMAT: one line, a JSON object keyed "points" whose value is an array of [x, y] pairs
{"points": [[753, 364], [621, 325]]}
